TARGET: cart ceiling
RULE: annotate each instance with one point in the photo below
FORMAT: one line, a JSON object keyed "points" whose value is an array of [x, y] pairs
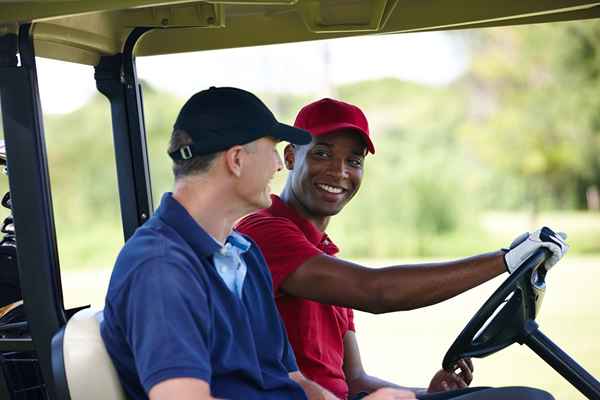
{"points": [[82, 31]]}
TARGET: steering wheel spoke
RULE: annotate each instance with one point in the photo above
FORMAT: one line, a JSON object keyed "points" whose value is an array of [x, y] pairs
{"points": [[503, 318]]}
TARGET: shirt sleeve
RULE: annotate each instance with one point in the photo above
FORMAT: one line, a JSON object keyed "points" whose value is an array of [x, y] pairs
{"points": [[283, 244], [164, 315], [350, 320]]}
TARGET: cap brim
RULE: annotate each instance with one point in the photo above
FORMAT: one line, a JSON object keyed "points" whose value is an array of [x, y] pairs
{"points": [[332, 128], [291, 134]]}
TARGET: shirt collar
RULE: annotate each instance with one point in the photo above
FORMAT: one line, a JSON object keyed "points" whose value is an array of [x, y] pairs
{"points": [[176, 216], [235, 242], [238, 241], [280, 209]]}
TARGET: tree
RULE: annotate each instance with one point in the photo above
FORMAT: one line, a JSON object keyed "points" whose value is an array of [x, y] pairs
{"points": [[534, 94]]}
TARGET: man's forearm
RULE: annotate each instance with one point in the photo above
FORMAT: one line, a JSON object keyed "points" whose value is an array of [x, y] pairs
{"points": [[331, 280], [367, 383], [409, 287]]}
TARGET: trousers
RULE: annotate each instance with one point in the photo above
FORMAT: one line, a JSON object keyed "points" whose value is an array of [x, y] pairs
{"points": [[484, 393]]}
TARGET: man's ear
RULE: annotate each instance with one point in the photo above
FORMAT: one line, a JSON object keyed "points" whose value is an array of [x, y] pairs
{"points": [[289, 156], [234, 160]]}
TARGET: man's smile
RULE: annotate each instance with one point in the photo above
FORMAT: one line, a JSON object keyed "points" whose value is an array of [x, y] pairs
{"points": [[331, 189]]}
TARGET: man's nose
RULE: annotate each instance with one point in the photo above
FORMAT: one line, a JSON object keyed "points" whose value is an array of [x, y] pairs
{"points": [[279, 162], [338, 168]]}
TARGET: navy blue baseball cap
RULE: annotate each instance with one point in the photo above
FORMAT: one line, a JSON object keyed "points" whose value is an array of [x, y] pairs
{"points": [[219, 118]]}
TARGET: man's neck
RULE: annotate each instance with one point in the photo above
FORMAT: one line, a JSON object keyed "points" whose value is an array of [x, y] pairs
{"points": [[290, 199], [209, 206]]}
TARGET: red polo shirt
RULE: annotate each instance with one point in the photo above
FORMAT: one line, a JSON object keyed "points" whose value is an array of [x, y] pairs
{"points": [[316, 331]]}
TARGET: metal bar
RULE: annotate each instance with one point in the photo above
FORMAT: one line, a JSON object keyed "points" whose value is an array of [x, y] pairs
{"points": [[32, 201], [563, 364], [116, 78], [16, 344]]}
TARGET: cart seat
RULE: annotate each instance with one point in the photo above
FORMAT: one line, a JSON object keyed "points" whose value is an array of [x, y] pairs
{"points": [[81, 365]]}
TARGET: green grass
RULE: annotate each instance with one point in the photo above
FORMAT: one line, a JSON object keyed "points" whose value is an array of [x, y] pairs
{"points": [[488, 231], [408, 347], [583, 228]]}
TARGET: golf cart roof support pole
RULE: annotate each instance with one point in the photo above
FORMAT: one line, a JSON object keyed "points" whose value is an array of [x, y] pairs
{"points": [[561, 362], [116, 78], [32, 210]]}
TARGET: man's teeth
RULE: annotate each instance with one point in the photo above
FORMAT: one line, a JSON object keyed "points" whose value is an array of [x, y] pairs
{"points": [[330, 189]]}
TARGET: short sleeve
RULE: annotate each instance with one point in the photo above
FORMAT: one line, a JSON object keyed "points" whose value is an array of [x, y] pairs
{"points": [[164, 314], [283, 244], [350, 320]]}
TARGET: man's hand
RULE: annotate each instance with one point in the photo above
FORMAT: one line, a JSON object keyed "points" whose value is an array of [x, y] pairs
{"points": [[526, 244], [451, 380], [391, 394]]}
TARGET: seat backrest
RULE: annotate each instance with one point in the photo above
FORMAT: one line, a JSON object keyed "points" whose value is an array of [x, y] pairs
{"points": [[87, 368]]}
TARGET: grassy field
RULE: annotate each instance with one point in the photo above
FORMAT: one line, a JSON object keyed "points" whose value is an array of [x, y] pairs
{"points": [[408, 347]]}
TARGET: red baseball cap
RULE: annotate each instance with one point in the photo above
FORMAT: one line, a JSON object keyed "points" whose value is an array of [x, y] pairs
{"points": [[328, 116]]}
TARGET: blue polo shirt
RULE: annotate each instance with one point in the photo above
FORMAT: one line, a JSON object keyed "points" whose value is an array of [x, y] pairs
{"points": [[168, 314]]}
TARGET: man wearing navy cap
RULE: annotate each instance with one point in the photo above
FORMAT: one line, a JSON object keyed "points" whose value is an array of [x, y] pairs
{"points": [[189, 311], [316, 292]]}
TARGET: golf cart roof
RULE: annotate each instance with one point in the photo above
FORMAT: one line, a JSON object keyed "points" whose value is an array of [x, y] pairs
{"points": [[83, 31]]}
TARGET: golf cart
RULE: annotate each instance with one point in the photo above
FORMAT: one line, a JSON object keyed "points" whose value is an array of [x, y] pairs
{"points": [[45, 349]]}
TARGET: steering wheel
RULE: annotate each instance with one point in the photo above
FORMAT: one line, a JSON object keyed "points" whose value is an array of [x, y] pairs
{"points": [[505, 318]]}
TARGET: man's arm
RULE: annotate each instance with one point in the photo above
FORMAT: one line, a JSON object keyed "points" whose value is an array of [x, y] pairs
{"points": [[316, 392], [181, 389], [359, 381], [356, 377], [331, 280]]}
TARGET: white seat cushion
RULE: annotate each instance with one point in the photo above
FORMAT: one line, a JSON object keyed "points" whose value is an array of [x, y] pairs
{"points": [[89, 370]]}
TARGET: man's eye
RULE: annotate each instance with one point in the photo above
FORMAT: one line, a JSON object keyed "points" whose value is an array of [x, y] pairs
{"points": [[321, 153], [355, 163]]}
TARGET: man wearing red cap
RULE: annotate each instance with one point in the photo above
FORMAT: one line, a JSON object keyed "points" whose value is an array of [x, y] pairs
{"points": [[316, 292], [189, 312]]}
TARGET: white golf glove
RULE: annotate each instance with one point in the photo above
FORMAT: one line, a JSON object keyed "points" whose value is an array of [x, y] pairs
{"points": [[526, 244]]}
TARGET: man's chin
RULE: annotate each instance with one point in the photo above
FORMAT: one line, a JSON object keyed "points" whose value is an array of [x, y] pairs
{"points": [[328, 211]]}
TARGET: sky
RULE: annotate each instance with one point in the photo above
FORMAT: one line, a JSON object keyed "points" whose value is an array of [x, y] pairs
{"points": [[432, 58]]}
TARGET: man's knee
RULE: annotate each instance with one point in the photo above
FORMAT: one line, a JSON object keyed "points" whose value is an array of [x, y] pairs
{"points": [[538, 394], [485, 393]]}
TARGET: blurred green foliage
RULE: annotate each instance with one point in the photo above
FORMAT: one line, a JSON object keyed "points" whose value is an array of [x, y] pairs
{"points": [[518, 131], [535, 116]]}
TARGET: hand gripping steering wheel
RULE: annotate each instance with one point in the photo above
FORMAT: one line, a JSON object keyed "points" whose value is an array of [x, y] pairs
{"points": [[506, 317]]}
